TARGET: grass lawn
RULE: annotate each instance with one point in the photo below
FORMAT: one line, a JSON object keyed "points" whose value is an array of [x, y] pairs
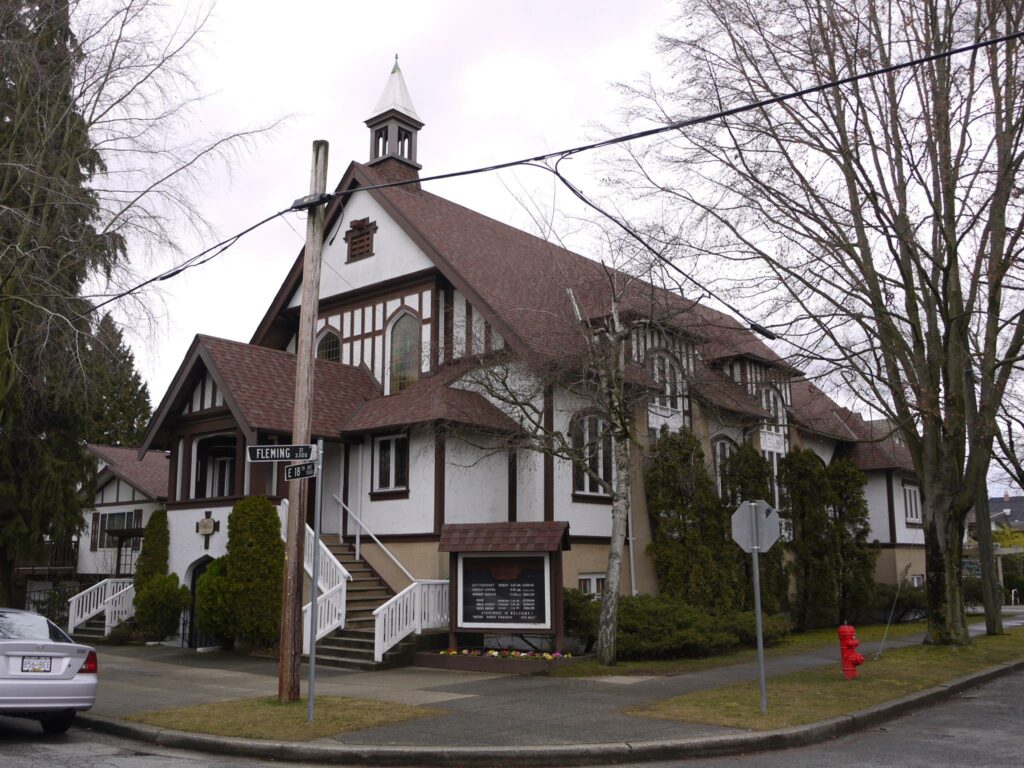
{"points": [[794, 643], [821, 693], [269, 719]]}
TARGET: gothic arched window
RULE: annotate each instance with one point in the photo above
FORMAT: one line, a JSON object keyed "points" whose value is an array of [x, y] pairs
{"points": [[404, 352]]}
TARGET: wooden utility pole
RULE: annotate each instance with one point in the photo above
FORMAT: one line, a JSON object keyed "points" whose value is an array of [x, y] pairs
{"points": [[291, 604]]}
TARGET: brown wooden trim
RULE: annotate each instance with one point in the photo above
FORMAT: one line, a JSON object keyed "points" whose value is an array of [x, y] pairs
{"points": [[221, 501], [557, 623], [892, 508], [453, 598], [586, 498], [401, 493], [882, 545], [341, 302], [185, 489], [435, 308], [439, 480], [590, 539], [449, 323], [400, 538], [549, 459], [240, 462], [513, 485], [469, 329], [200, 416], [106, 504], [172, 491], [345, 480]]}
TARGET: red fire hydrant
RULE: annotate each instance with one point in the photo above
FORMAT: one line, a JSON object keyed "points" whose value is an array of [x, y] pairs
{"points": [[848, 643]]}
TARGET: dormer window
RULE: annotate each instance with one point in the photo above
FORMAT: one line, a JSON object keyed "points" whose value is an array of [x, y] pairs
{"points": [[360, 239]]}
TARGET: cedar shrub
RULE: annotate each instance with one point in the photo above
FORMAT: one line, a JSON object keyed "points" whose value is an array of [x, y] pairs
{"points": [[255, 570], [156, 542]]}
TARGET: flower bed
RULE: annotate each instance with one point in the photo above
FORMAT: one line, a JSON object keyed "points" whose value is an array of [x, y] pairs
{"points": [[505, 661]]}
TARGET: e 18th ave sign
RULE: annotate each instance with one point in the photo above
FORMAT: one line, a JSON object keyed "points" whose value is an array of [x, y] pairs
{"points": [[300, 471], [280, 452]]}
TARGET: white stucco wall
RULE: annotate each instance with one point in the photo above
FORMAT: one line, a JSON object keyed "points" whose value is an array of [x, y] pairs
{"points": [[394, 253], [476, 480], [414, 514], [530, 487], [822, 447], [103, 561], [186, 546], [876, 495]]}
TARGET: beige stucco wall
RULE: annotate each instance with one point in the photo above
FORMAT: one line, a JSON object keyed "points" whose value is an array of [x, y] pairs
{"points": [[420, 558], [889, 567]]}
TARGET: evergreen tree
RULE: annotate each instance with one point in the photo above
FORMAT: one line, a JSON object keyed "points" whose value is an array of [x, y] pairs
{"points": [[117, 397], [855, 555], [746, 476], [49, 245], [814, 565], [693, 552]]}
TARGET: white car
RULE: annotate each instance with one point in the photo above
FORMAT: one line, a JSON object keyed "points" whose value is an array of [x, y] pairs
{"points": [[44, 674]]}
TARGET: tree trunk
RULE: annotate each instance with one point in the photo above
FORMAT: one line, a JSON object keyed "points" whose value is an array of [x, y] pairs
{"points": [[608, 623], [943, 536], [991, 590]]}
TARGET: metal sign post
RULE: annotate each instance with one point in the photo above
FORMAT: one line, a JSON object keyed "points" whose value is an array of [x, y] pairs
{"points": [[755, 527], [316, 575]]}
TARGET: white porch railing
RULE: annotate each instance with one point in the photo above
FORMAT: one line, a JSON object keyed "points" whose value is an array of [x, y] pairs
{"points": [[118, 607], [91, 601], [422, 605], [332, 578]]}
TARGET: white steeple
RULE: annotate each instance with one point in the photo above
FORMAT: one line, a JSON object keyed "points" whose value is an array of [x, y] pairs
{"points": [[394, 126], [395, 96]]}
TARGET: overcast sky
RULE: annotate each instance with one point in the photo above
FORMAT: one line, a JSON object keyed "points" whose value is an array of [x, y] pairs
{"points": [[493, 81]]}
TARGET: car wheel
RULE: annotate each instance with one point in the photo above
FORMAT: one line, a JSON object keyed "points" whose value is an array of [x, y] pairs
{"points": [[59, 723]]}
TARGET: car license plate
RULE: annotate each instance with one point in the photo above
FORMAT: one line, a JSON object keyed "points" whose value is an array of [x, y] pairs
{"points": [[35, 664]]}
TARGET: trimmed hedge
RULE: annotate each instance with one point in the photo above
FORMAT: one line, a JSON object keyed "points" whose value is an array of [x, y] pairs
{"points": [[158, 606], [156, 544], [255, 570], [662, 627], [215, 605]]}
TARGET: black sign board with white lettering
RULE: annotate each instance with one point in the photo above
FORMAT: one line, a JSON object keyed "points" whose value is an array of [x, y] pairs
{"points": [[280, 452], [300, 471], [504, 591]]}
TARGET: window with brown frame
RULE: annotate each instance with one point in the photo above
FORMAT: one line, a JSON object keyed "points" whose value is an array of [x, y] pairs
{"points": [[360, 238]]}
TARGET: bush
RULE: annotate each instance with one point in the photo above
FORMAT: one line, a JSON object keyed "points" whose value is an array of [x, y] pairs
{"points": [[121, 634], [158, 606], [581, 613], [155, 549], [255, 569], [773, 628], [660, 627], [908, 605], [215, 607]]}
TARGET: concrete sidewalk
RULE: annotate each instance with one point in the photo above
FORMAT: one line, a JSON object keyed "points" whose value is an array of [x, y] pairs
{"points": [[510, 718]]}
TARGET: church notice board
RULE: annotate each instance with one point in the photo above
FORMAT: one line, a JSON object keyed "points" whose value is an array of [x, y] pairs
{"points": [[506, 577], [504, 591]]}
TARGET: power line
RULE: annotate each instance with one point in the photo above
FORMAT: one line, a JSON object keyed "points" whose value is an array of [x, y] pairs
{"points": [[540, 161]]}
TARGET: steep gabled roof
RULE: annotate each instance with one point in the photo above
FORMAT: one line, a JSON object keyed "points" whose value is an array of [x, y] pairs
{"points": [[816, 412], [148, 474], [520, 282], [879, 447]]}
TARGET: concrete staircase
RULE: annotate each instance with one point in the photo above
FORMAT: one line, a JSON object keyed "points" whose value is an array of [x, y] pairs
{"points": [[91, 632], [352, 646]]}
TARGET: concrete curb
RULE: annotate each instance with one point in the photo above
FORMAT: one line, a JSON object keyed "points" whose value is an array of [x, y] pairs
{"points": [[327, 751]]}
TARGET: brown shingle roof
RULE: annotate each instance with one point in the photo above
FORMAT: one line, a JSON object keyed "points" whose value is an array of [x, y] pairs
{"points": [[261, 382], [428, 400], [815, 411], [878, 448], [504, 537], [148, 474], [714, 388]]}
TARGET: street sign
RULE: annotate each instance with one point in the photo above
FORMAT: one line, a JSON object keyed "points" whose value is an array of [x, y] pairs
{"points": [[300, 471], [760, 528], [280, 452]]}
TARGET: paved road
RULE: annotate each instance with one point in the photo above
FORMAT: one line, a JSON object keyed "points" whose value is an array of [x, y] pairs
{"points": [[982, 728]]}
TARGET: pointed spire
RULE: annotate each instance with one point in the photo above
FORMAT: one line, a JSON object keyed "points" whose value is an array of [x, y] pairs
{"points": [[395, 96]]}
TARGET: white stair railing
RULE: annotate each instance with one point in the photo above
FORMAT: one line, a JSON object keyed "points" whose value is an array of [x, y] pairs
{"points": [[422, 605], [332, 578], [118, 607], [90, 602]]}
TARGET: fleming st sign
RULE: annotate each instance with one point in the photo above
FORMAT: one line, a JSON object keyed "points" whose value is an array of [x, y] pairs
{"points": [[280, 452]]}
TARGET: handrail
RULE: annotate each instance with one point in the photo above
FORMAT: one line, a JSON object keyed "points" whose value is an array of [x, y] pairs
{"points": [[421, 605], [332, 579], [387, 551], [89, 602], [117, 608]]}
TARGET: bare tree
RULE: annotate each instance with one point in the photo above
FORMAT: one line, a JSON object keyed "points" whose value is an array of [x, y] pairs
{"points": [[883, 218], [97, 160]]}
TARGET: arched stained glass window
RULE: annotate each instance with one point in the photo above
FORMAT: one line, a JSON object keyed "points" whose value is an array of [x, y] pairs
{"points": [[405, 352], [329, 348]]}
